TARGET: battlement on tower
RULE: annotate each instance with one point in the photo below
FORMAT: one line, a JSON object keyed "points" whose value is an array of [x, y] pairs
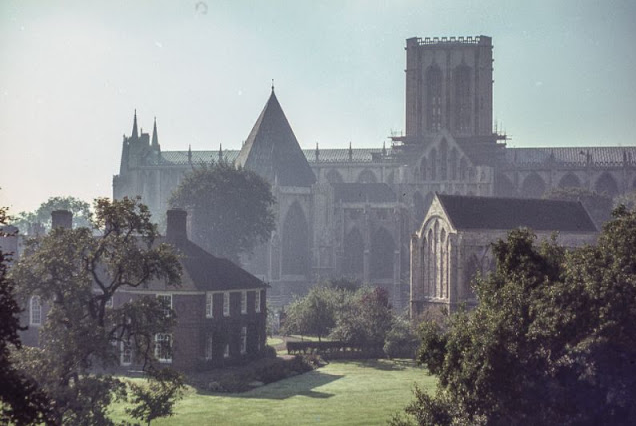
{"points": [[481, 39]]}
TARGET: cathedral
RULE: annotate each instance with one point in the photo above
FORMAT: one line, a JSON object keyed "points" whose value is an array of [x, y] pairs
{"points": [[351, 212]]}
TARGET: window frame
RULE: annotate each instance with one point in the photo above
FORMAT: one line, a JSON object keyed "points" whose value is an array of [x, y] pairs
{"points": [[32, 311], [123, 348], [257, 301], [243, 340], [162, 337], [209, 348], [243, 302], [162, 296], [209, 305], [226, 304]]}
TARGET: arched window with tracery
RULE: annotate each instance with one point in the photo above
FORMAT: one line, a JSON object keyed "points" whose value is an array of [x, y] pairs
{"points": [[452, 165], [367, 176], [334, 176], [443, 160], [382, 250], [462, 99], [533, 186], [353, 256], [295, 242], [570, 180], [434, 98], [433, 163], [606, 184]]}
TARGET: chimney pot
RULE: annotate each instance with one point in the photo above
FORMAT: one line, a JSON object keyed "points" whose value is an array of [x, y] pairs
{"points": [[177, 224], [62, 219]]}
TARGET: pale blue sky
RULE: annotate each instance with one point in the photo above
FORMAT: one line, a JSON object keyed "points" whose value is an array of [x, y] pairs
{"points": [[71, 74]]}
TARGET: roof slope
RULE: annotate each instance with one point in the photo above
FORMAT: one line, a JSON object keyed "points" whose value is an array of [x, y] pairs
{"points": [[272, 150], [467, 212]]}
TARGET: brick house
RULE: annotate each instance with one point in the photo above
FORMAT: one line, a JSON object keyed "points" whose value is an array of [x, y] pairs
{"points": [[220, 308]]}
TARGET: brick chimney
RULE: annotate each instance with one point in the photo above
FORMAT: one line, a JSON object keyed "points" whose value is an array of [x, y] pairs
{"points": [[177, 224], [61, 219]]}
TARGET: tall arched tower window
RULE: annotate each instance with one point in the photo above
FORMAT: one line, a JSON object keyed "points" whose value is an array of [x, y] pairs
{"points": [[462, 99], [434, 98], [295, 242]]}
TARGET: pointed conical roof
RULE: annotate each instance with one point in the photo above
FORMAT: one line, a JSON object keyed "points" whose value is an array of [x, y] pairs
{"points": [[135, 134], [272, 150], [155, 136]]}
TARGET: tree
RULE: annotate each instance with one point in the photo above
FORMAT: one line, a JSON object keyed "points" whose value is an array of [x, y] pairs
{"points": [[76, 274], [156, 398], [232, 208], [315, 314], [366, 319], [551, 342], [21, 401], [42, 215], [599, 206]]}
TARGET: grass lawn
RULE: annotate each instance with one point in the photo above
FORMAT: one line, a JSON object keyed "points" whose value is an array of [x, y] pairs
{"points": [[273, 341], [341, 393]]}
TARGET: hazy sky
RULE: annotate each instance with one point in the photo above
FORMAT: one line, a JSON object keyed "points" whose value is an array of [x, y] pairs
{"points": [[72, 73]]}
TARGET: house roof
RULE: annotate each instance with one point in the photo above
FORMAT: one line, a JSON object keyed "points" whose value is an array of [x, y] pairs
{"points": [[466, 212], [203, 271], [272, 150], [363, 192]]}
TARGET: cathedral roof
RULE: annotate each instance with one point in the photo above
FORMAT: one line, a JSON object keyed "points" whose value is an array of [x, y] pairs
{"points": [[272, 150], [468, 212], [574, 156]]}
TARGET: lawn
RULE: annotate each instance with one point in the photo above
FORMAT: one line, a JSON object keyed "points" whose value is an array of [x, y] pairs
{"points": [[341, 393]]}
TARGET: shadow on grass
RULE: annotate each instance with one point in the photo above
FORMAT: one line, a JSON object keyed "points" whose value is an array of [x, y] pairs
{"points": [[303, 384], [384, 364]]}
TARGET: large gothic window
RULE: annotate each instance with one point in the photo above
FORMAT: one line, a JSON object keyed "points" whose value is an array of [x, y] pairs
{"points": [[452, 165], [433, 168], [606, 184], [533, 186], [570, 181], [434, 98], [504, 187], [420, 212], [367, 176], [353, 257], [334, 176], [462, 99], [382, 250], [443, 160], [295, 242]]}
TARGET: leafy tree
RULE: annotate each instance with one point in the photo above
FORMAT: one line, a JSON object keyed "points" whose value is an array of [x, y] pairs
{"points": [[366, 319], [42, 215], [599, 206], [232, 208], [156, 398], [315, 314], [401, 341], [21, 402], [551, 342], [76, 274]]}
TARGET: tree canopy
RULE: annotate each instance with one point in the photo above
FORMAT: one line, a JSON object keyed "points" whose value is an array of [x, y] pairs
{"points": [[21, 401], [232, 208], [552, 340], [42, 215], [76, 275]]}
